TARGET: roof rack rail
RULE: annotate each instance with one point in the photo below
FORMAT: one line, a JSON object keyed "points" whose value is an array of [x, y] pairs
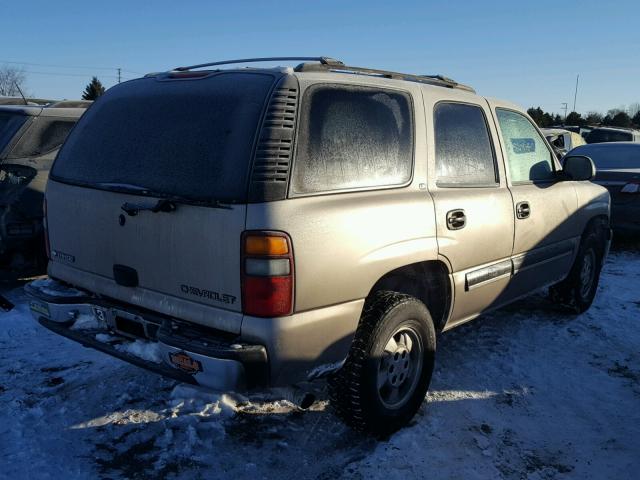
{"points": [[323, 61], [437, 80]]}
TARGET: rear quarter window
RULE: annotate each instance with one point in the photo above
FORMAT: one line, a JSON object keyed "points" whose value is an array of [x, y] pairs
{"points": [[353, 138], [43, 136], [10, 123]]}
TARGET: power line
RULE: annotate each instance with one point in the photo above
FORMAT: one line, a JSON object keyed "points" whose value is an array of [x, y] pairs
{"points": [[69, 66], [59, 74]]}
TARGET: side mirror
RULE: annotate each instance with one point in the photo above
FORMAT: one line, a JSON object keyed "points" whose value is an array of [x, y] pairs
{"points": [[579, 167]]}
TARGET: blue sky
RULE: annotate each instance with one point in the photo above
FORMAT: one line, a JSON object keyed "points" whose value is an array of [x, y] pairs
{"points": [[525, 52]]}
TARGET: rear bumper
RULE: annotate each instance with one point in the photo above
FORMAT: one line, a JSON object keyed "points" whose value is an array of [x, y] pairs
{"points": [[184, 351]]}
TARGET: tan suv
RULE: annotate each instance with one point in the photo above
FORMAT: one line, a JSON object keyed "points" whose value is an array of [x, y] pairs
{"points": [[247, 227]]}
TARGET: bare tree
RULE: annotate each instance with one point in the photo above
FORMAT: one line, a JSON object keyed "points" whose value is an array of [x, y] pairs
{"points": [[633, 109], [11, 81]]}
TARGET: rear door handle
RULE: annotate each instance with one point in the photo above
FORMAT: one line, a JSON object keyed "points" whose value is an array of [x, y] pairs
{"points": [[456, 219], [523, 210]]}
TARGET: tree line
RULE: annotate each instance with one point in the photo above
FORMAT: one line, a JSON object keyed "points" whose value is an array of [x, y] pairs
{"points": [[616, 117]]}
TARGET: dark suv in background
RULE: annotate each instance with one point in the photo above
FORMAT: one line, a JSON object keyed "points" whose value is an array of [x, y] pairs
{"points": [[30, 137], [612, 134]]}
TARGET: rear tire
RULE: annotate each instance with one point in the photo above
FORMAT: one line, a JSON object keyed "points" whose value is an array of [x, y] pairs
{"points": [[388, 370], [577, 291]]}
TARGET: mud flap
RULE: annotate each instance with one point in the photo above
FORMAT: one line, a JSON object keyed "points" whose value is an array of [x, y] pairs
{"points": [[5, 304]]}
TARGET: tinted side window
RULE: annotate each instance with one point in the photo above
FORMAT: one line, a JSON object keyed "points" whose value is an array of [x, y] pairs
{"points": [[528, 157], [9, 125], [353, 137], [601, 136], [45, 135], [464, 154]]}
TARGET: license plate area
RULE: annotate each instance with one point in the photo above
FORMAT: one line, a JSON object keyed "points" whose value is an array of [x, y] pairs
{"points": [[133, 326], [39, 308]]}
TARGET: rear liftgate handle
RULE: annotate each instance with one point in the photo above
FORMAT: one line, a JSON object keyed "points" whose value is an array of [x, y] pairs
{"points": [[456, 219], [523, 210]]}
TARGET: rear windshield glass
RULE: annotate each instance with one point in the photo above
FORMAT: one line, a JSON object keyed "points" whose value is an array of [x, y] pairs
{"points": [[9, 125], [44, 135], [616, 157], [598, 136], [191, 138]]}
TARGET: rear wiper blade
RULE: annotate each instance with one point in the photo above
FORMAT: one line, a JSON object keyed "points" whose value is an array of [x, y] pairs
{"points": [[123, 187], [168, 205], [165, 202]]}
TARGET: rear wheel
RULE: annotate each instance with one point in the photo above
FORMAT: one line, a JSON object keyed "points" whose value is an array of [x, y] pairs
{"points": [[577, 291], [386, 375]]}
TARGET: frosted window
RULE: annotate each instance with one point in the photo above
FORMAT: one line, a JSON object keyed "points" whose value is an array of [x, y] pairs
{"points": [[353, 137], [464, 155], [528, 157]]}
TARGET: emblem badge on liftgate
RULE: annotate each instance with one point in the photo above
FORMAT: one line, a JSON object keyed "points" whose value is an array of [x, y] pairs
{"points": [[65, 257]]}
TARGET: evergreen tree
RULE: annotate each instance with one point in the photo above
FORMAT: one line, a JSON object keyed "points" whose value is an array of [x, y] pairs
{"points": [[537, 115], [636, 119], [574, 118], [594, 118], [621, 119], [542, 118], [93, 90]]}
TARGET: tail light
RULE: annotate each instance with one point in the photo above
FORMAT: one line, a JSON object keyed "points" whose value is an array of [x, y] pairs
{"points": [[267, 274], [47, 246], [632, 187]]}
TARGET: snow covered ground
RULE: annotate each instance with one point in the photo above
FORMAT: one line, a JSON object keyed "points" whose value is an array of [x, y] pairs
{"points": [[522, 393]]}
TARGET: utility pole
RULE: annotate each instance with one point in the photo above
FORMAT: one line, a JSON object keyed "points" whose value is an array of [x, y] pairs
{"points": [[576, 94], [119, 75], [565, 111]]}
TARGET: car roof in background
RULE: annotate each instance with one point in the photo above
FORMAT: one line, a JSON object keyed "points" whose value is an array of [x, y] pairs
{"points": [[70, 104], [21, 101], [64, 108], [601, 151], [555, 131], [616, 129], [33, 110]]}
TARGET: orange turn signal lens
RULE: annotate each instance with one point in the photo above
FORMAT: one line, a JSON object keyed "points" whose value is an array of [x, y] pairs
{"points": [[265, 245]]}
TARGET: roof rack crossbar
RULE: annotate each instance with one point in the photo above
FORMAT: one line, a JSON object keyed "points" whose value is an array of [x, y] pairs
{"points": [[322, 60], [437, 80]]}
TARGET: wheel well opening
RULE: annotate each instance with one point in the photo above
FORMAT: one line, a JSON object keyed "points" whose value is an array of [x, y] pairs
{"points": [[427, 281], [599, 225]]}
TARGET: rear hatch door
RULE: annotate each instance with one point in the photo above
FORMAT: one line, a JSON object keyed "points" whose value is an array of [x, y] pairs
{"points": [[148, 196]]}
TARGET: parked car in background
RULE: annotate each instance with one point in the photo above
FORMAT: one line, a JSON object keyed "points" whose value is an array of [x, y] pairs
{"points": [[268, 226], [618, 169], [584, 131], [30, 137], [570, 128], [24, 101], [562, 140], [613, 134]]}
